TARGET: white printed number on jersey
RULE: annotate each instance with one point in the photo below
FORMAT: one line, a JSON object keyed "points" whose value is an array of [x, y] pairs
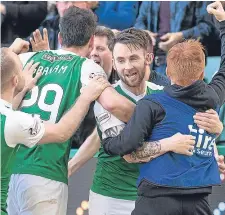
{"points": [[40, 97]]}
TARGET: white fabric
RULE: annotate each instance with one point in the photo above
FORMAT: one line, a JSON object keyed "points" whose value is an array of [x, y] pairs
{"points": [[89, 70], [21, 127], [103, 205], [25, 57], [35, 195], [105, 119]]}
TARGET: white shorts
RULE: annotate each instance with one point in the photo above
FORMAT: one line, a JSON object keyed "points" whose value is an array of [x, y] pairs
{"points": [[104, 205], [35, 195]]}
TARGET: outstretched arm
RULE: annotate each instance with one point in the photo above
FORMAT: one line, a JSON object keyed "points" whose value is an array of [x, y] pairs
{"points": [[30, 130], [178, 143], [135, 132], [218, 81]]}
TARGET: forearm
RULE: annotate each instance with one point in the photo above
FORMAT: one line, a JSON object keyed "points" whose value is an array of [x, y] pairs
{"points": [[197, 32], [68, 124], [117, 104], [136, 130], [142, 17], [218, 81], [87, 150], [151, 150]]}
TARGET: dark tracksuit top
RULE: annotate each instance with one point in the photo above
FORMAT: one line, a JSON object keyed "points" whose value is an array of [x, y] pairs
{"points": [[199, 96]]}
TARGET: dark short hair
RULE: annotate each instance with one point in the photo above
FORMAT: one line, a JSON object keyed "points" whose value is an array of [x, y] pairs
{"points": [[149, 44], [77, 26], [132, 38], [103, 31]]}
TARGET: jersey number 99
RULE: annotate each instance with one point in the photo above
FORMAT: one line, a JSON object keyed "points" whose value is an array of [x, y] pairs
{"points": [[39, 97]]}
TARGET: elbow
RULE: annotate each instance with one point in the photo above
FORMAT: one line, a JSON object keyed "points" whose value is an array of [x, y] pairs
{"points": [[109, 105], [61, 136]]}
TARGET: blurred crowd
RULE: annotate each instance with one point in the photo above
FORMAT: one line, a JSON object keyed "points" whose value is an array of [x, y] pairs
{"points": [[167, 22]]}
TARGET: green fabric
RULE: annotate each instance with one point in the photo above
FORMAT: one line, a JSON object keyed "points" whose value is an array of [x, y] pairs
{"points": [[7, 159], [57, 90], [114, 177]]}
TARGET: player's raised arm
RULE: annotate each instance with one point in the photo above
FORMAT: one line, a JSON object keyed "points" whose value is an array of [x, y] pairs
{"points": [[19, 46], [112, 101], [218, 81]]}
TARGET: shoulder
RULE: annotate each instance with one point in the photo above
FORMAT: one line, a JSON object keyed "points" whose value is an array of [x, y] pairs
{"points": [[90, 65], [22, 128], [90, 69], [17, 121], [153, 86], [26, 56]]}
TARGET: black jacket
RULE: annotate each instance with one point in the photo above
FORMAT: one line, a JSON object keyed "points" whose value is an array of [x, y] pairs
{"points": [[51, 23], [21, 19]]}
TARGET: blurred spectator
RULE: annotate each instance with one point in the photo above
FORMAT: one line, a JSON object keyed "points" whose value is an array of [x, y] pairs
{"points": [[51, 23], [168, 22], [117, 14], [19, 18]]}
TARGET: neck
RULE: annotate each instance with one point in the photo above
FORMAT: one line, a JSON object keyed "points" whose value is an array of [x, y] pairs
{"points": [[81, 51], [147, 73], [136, 90], [7, 95]]}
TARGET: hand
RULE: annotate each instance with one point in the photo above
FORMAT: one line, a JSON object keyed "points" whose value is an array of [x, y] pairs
{"points": [[28, 72], [169, 40], [40, 43], [93, 4], [181, 144], [217, 10], [153, 36], [221, 164], [19, 46], [94, 88], [209, 121], [2, 9]]}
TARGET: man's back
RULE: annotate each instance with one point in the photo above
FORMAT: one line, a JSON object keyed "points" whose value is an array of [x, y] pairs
{"points": [[55, 93]]}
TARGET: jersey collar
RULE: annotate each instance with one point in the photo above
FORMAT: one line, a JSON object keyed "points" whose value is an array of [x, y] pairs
{"points": [[135, 97], [5, 103]]}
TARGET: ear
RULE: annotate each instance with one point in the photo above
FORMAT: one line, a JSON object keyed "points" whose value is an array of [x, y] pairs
{"points": [[167, 73], [60, 38], [91, 43], [149, 58], [15, 81], [202, 76], [113, 64]]}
